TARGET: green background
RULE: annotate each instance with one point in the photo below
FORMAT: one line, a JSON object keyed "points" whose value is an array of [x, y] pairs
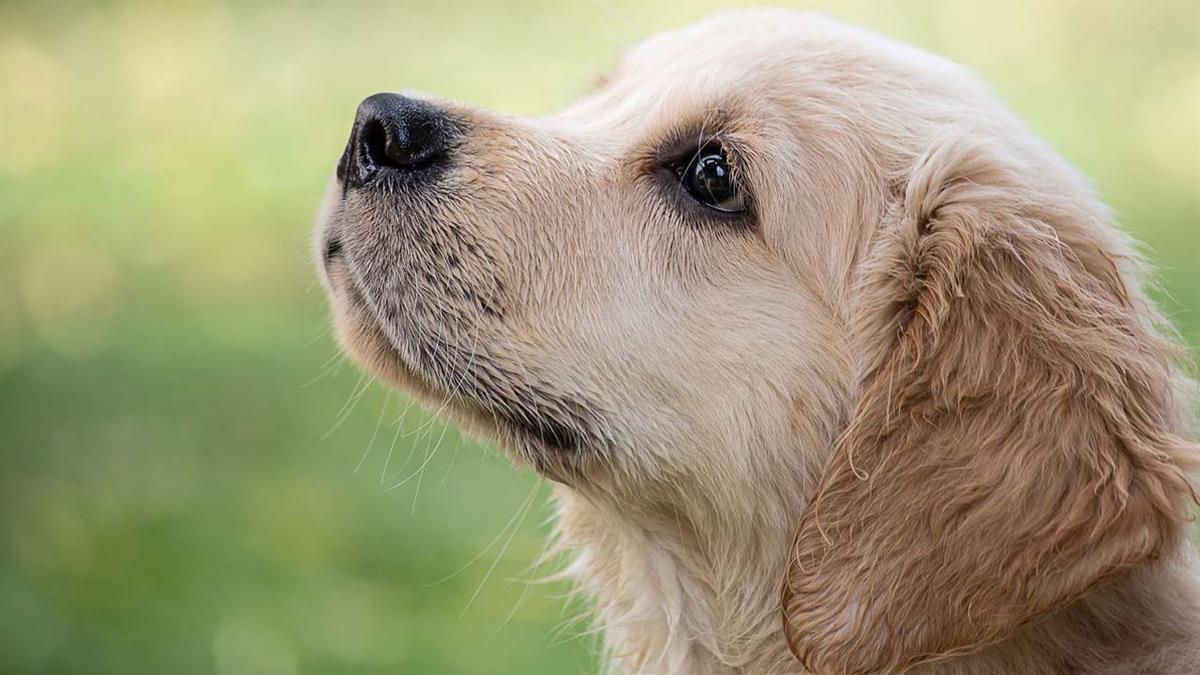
{"points": [[188, 479]]}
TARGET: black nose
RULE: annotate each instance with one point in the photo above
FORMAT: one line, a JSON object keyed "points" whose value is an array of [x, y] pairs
{"points": [[393, 132]]}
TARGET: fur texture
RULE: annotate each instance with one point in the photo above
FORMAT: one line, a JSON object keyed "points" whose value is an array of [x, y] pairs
{"points": [[918, 387]]}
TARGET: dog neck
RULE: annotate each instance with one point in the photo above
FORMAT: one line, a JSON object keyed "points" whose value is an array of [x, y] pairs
{"points": [[671, 597]]}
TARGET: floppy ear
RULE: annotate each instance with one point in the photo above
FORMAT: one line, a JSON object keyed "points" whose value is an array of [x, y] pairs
{"points": [[1017, 437]]}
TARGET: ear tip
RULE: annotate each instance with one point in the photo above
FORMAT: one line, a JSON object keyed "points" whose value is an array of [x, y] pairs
{"points": [[826, 636], [790, 616]]}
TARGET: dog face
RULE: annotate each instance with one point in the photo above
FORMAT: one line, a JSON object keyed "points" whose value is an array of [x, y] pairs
{"points": [[657, 270], [775, 265]]}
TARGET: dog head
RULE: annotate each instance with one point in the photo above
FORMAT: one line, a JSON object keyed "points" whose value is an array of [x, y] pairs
{"points": [[774, 262]]}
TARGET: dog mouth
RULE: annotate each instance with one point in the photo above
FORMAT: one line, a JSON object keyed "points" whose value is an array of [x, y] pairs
{"points": [[549, 430], [372, 335], [331, 251]]}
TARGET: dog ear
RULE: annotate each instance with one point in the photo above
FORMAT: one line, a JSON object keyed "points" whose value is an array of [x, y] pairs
{"points": [[1017, 437]]}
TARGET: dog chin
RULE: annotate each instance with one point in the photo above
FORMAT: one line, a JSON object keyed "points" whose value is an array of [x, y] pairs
{"points": [[552, 448], [365, 342]]}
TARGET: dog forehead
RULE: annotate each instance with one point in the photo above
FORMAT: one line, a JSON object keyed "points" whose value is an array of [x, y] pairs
{"points": [[681, 76], [761, 50], [736, 62], [745, 45], [727, 51]]}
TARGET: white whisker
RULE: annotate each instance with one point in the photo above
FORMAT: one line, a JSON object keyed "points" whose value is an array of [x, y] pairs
{"points": [[351, 403], [504, 549], [375, 433]]}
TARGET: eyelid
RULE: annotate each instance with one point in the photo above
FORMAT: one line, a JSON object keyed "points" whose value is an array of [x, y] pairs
{"points": [[684, 149], [677, 169], [662, 162], [679, 152], [729, 148]]}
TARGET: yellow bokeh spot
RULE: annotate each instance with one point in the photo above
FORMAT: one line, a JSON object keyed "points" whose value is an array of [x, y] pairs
{"points": [[34, 105], [1169, 121], [71, 296]]}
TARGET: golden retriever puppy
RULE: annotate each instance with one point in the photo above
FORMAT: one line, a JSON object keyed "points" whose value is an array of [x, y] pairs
{"points": [[836, 368]]}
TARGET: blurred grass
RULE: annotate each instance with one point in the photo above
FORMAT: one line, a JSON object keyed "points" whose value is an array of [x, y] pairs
{"points": [[176, 495]]}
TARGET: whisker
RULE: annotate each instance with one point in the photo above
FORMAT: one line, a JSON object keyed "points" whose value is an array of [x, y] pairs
{"points": [[332, 365], [487, 548], [533, 570], [450, 466], [524, 512], [375, 433], [399, 423], [351, 403], [415, 473], [428, 458]]}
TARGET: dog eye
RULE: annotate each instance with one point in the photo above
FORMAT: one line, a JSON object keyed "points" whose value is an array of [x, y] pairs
{"points": [[709, 181]]}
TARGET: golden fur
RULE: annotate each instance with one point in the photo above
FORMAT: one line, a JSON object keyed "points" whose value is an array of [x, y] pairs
{"points": [[924, 394]]}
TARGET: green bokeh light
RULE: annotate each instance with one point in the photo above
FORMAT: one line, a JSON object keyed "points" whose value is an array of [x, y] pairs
{"points": [[170, 499]]}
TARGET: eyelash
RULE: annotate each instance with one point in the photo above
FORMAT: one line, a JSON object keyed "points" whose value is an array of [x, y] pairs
{"points": [[671, 160]]}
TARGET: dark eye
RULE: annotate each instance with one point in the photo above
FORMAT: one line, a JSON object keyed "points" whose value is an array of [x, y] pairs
{"points": [[708, 179]]}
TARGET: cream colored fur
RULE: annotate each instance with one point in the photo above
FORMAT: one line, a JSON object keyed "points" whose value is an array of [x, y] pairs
{"points": [[851, 344]]}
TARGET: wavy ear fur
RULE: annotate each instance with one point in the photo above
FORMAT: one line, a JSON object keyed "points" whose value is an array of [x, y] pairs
{"points": [[1017, 440]]}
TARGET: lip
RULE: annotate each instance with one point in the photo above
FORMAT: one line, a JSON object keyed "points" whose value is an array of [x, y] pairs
{"points": [[402, 372], [331, 250], [552, 439], [395, 354], [551, 435]]}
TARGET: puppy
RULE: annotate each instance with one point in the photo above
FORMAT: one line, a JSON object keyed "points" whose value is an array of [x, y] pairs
{"points": [[835, 367]]}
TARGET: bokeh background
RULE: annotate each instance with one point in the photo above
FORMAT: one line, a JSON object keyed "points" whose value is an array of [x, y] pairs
{"points": [[193, 481]]}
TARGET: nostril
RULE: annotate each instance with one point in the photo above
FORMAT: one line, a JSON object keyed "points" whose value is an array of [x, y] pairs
{"points": [[389, 143], [412, 144], [395, 132], [373, 141]]}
